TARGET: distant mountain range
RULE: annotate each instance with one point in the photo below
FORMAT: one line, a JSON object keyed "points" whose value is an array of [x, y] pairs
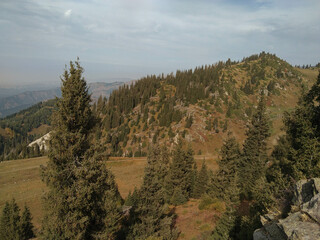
{"points": [[15, 103]]}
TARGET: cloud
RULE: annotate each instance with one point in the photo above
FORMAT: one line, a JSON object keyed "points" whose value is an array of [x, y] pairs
{"points": [[68, 13], [154, 36]]}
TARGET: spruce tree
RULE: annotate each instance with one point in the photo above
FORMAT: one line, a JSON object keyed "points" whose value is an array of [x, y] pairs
{"points": [[194, 179], [132, 198], [180, 173], [253, 165], [297, 154], [82, 201], [189, 177], [303, 133], [225, 187], [254, 158], [12, 225], [226, 179], [225, 227], [201, 183], [151, 216], [10, 221], [26, 226]]}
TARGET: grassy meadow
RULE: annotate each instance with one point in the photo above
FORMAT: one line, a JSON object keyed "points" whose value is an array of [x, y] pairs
{"points": [[20, 179]]}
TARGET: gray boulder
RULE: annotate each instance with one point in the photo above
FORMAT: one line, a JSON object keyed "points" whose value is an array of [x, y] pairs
{"points": [[305, 190], [303, 223]]}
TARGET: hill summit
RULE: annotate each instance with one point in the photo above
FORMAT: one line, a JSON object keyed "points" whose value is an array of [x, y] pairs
{"points": [[200, 105]]}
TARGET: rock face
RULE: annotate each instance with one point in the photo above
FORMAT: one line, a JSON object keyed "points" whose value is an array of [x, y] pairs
{"points": [[303, 223], [41, 142]]}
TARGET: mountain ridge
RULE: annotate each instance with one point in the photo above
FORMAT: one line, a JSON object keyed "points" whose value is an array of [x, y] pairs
{"points": [[200, 105], [13, 104]]}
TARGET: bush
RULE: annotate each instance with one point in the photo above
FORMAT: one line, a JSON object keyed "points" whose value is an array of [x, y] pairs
{"points": [[178, 198], [208, 202]]}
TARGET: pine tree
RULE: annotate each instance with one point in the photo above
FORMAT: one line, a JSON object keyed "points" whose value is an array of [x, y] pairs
{"points": [[303, 133], [26, 226], [253, 161], [152, 218], [297, 154], [12, 225], [225, 187], [194, 179], [225, 227], [254, 158], [180, 172], [225, 180], [83, 200], [10, 221], [189, 164], [132, 199], [201, 184]]}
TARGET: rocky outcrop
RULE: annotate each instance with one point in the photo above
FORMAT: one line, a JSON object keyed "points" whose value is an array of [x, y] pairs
{"points": [[42, 142], [303, 223]]}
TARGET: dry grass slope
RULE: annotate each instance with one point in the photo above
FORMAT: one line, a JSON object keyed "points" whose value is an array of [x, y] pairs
{"points": [[20, 179]]}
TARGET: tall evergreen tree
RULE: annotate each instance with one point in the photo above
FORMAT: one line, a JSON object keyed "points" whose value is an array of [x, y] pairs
{"points": [[225, 187], [201, 183], [10, 221], [152, 218], [226, 225], [254, 158], [83, 200], [297, 154], [12, 225], [26, 225], [180, 177], [226, 179], [303, 133], [253, 165]]}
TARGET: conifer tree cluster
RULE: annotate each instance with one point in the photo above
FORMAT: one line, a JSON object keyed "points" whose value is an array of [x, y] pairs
{"points": [[151, 217], [254, 158], [226, 181], [297, 154], [167, 181], [244, 177], [14, 226], [83, 201], [184, 181]]}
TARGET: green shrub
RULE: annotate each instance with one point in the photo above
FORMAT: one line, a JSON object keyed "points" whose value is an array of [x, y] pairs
{"points": [[208, 202]]}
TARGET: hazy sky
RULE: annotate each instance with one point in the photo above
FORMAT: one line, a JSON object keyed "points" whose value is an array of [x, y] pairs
{"points": [[133, 38]]}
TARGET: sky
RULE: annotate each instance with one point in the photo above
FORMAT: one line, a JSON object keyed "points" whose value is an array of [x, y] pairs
{"points": [[129, 39]]}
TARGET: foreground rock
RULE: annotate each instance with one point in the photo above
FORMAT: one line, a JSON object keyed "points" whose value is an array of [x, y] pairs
{"points": [[303, 222]]}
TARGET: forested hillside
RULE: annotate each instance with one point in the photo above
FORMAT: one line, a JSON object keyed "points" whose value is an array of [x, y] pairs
{"points": [[83, 201], [14, 103], [18, 130], [200, 105]]}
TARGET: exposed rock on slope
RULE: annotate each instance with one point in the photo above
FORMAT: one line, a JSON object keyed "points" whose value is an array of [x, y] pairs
{"points": [[42, 142], [304, 221]]}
